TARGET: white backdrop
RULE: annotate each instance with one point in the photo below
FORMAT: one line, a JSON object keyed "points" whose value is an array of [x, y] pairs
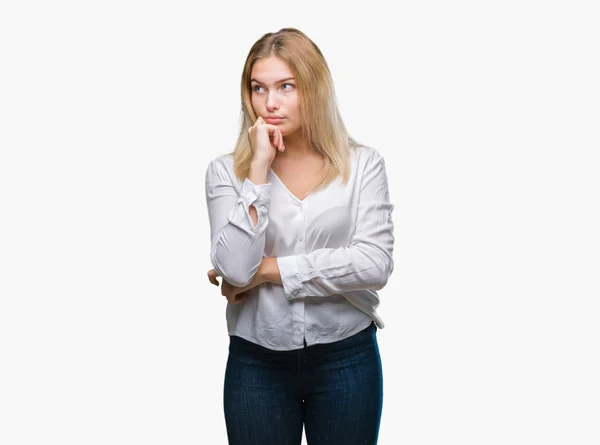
{"points": [[487, 114]]}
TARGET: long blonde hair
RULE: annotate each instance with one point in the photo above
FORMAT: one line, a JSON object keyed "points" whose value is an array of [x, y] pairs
{"points": [[322, 124]]}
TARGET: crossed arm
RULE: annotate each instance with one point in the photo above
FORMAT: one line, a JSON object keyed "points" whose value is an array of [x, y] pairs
{"points": [[268, 271]]}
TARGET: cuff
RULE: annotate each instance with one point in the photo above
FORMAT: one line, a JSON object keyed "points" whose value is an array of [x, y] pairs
{"points": [[257, 195], [290, 276], [251, 194]]}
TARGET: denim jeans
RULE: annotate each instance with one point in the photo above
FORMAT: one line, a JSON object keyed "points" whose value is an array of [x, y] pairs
{"points": [[334, 390]]}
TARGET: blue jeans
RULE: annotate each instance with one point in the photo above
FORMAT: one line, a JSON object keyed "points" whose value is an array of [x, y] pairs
{"points": [[335, 390]]}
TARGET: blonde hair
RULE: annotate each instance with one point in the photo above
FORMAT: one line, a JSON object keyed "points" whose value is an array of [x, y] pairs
{"points": [[322, 124]]}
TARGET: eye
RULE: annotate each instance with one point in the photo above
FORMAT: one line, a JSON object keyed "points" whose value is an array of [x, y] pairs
{"points": [[292, 85], [255, 87]]}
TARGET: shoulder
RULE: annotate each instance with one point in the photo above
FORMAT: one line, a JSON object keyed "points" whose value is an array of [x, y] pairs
{"points": [[220, 167], [366, 155], [225, 161]]}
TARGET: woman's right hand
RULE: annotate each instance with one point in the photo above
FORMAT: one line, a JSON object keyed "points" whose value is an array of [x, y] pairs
{"points": [[265, 140]]}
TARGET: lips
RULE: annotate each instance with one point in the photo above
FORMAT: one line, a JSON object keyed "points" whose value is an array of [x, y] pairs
{"points": [[274, 120]]}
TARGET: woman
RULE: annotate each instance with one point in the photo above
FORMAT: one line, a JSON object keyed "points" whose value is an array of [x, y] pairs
{"points": [[302, 237]]}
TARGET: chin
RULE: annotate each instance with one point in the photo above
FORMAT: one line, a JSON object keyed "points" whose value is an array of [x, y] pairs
{"points": [[289, 132]]}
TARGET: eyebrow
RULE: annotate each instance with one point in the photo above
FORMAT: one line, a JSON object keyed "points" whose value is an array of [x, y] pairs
{"points": [[279, 81]]}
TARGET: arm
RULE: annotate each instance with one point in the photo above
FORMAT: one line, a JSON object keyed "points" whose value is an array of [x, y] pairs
{"points": [[366, 263], [237, 239], [269, 271]]}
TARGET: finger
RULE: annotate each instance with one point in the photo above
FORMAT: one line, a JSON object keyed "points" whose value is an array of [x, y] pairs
{"points": [[237, 298], [233, 299], [228, 290], [271, 129], [271, 133], [282, 146], [277, 140], [212, 276]]}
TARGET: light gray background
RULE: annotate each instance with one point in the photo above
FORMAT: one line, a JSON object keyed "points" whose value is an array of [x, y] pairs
{"points": [[487, 114]]}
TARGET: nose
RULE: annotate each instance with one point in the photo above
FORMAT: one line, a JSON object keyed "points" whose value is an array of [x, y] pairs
{"points": [[272, 101]]}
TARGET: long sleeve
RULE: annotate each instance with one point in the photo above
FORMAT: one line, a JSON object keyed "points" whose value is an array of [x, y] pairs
{"points": [[237, 246], [366, 263]]}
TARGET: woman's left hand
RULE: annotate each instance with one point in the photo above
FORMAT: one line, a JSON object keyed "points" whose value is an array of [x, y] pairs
{"points": [[234, 294]]}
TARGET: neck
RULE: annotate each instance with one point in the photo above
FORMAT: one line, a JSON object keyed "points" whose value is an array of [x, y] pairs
{"points": [[296, 145]]}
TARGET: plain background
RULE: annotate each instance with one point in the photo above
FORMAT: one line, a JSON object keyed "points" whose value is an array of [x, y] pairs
{"points": [[487, 114]]}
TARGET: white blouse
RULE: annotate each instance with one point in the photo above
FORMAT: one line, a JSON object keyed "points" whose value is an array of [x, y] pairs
{"points": [[334, 250]]}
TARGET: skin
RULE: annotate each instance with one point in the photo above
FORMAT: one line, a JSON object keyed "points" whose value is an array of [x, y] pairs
{"points": [[274, 92]]}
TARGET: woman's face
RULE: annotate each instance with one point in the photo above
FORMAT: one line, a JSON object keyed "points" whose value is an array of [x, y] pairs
{"points": [[274, 92]]}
